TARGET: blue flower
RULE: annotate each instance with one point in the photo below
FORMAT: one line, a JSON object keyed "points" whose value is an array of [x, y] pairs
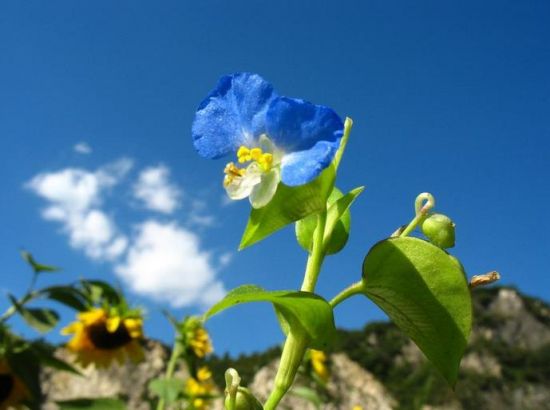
{"points": [[275, 138]]}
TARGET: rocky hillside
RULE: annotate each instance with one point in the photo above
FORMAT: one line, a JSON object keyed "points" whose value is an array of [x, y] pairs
{"points": [[507, 366]]}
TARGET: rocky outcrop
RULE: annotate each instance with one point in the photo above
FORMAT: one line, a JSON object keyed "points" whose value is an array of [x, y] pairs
{"points": [[128, 381], [350, 385]]}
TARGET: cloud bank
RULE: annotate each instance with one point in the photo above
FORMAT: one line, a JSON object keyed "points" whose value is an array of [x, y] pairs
{"points": [[161, 260]]}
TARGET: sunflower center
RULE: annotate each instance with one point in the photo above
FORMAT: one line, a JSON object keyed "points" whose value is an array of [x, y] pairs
{"points": [[6, 386], [103, 339]]}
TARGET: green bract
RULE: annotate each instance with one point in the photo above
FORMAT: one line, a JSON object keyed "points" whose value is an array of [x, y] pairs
{"points": [[424, 291], [289, 205], [337, 226], [303, 312]]}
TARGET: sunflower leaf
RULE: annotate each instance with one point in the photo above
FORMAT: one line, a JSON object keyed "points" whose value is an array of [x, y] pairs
{"points": [[37, 267], [41, 319]]}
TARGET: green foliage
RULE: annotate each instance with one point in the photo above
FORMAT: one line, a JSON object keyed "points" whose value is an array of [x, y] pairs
{"points": [[37, 267], [424, 291], [337, 226], [41, 319], [289, 205], [301, 312], [66, 295], [167, 389], [92, 404]]}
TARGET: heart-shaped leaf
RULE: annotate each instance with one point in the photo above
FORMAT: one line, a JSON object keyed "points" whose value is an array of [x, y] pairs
{"points": [[424, 291], [304, 311], [289, 205]]}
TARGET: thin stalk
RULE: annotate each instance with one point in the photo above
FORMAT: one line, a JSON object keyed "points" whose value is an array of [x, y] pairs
{"points": [[350, 291], [170, 369], [293, 353]]}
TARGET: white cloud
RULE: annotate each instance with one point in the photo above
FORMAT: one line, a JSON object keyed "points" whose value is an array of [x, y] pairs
{"points": [[74, 197], [155, 190], [166, 263], [83, 148]]}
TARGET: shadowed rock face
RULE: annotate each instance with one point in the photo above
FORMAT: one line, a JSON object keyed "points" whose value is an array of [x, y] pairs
{"points": [[506, 367]]}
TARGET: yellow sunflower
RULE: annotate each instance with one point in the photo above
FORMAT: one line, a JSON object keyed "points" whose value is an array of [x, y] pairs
{"points": [[12, 390], [197, 388], [101, 338], [319, 364]]}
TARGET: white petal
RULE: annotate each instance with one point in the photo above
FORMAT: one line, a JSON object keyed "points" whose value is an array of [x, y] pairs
{"points": [[264, 192], [241, 187]]}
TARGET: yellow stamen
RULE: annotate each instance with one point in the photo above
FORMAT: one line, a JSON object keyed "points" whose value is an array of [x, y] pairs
{"points": [[245, 154]]}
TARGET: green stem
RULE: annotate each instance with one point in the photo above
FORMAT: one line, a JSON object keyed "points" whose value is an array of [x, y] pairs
{"points": [[350, 291], [170, 369], [423, 204], [296, 344], [293, 353], [315, 259], [22, 301]]}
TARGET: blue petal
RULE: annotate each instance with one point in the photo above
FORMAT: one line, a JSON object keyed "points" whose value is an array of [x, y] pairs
{"points": [[301, 167], [297, 125], [233, 114]]}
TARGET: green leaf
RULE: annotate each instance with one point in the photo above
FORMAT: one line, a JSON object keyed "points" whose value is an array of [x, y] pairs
{"points": [[37, 267], [424, 291], [91, 404], [307, 394], [41, 319], [66, 295], [167, 389], [300, 311], [97, 290], [337, 226], [289, 205]]}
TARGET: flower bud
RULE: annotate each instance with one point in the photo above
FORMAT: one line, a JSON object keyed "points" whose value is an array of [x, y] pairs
{"points": [[244, 400], [440, 230]]}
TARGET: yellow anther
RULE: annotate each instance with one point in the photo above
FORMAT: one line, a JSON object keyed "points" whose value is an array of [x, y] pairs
{"points": [[243, 154], [256, 154]]}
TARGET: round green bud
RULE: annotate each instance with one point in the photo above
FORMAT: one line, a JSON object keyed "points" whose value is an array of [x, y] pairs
{"points": [[440, 230], [245, 400]]}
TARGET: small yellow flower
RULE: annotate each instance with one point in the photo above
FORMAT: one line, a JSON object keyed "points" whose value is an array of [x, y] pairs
{"points": [[101, 338], [198, 389], [319, 364], [12, 390], [197, 338]]}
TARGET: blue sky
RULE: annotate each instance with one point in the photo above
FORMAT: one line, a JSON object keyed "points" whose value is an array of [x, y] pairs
{"points": [[447, 97]]}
